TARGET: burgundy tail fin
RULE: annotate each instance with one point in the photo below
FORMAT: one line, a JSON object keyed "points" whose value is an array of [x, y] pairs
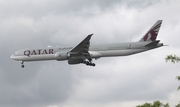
{"points": [[151, 35]]}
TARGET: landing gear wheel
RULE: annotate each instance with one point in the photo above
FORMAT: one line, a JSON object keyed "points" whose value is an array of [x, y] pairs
{"points": [[93, 64], [22, 66], [87, 63]]}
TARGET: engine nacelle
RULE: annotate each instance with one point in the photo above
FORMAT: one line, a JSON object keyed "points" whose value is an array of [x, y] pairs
{"points": [[94, 54], [61, 56]]}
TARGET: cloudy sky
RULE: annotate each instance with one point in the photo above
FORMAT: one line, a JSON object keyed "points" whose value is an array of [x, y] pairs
{"points": [[114, 82]]}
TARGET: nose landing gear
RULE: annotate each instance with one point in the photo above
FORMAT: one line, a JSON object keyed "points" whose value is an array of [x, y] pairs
{"points": [[22, 64]]}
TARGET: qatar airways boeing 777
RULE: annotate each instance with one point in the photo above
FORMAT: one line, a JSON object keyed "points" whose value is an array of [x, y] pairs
{"points": [[84, 52]]}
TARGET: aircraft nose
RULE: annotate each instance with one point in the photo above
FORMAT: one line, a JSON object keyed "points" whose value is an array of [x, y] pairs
{"points": [[12, 56]]}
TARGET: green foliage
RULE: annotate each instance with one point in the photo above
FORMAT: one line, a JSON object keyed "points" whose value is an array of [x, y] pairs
{"points": [[155, 104], [178, 77], [166, 105], [179, 88], [145, 105], [172, 58], [178, 105]]}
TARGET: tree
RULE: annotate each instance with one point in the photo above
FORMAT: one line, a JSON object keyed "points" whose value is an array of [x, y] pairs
{"points": [[178, 105], [166, 105], [155, 104], [178, 77], [174, 59], [145, 105]]}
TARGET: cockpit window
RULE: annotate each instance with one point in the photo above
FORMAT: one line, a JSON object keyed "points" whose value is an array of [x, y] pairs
{"points": [[19, 52]]}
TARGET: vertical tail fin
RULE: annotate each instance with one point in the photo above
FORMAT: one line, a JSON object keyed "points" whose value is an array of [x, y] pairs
{"points": [[152, 33]]}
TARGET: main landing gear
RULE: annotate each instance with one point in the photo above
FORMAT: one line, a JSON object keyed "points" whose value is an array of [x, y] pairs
{"points": [[88, 63], [22, 64]]}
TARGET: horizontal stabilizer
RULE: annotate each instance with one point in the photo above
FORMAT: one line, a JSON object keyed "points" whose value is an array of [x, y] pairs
{"points": [[154, 43]]}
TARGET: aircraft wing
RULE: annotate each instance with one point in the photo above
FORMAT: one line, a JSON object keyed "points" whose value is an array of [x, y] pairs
{"points": [[82, 48]]}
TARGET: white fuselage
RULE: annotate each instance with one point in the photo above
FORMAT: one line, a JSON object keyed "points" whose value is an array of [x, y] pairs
{"points": [[96, 51]]}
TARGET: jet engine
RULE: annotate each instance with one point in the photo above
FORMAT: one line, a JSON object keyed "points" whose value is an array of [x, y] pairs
{"points": [[62, 56]]}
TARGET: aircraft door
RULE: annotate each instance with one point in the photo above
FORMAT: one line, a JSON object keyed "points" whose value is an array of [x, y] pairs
{"points": [[130, 46]]}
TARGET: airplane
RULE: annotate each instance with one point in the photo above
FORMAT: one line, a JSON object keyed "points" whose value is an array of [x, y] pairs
{"points": [[84, 53]]}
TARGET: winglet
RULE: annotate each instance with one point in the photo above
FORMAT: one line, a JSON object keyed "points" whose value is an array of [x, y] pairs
{"points": [[152, 33]]}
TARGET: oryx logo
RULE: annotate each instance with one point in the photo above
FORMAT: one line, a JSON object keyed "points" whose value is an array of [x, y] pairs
{"points": [[147, 37], [152, 33]]}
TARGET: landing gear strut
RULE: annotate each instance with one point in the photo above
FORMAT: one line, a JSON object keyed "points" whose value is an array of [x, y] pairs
{"points": [[22, 64]]}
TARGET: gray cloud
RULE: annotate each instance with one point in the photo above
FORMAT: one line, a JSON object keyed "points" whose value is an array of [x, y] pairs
{"points": [[36, 85], [123, 83], [38, 9]]}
